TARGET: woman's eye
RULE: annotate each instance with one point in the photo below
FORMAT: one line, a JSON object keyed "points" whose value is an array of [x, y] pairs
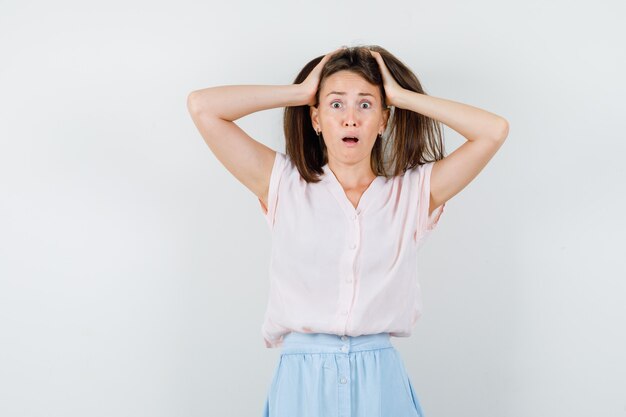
{"points": [[368, 105]]}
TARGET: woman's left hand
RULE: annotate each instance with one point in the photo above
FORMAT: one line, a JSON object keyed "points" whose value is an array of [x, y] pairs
{"points": [[391, 86]]}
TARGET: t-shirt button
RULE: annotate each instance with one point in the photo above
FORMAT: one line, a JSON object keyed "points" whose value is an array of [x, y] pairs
{"points": [[344, 338], [353, 246], [343, 380], [344, 348]]}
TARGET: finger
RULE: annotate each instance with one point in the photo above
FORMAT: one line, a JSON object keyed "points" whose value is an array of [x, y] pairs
{"points": [[328, 55], [381, 62], [379, 59]]}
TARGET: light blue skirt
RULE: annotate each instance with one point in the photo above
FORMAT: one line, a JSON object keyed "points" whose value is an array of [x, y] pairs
{"points": [[325, 375]]}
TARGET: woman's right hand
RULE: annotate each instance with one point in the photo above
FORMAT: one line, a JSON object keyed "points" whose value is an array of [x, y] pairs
{"points": [[311, 83]]}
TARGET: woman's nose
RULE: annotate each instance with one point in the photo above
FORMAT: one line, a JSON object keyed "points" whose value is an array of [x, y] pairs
{"points": [[350, 119]]}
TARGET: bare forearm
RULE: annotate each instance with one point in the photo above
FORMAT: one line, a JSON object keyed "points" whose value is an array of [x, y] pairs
{"points": [[231, 102], [471, 122]]}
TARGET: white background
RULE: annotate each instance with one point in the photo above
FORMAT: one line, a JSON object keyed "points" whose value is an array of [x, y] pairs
{"points": [[133, 265]]}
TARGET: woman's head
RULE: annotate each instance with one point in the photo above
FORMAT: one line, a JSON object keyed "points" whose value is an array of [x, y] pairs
{"points": [[351, 101], [348, 105]]}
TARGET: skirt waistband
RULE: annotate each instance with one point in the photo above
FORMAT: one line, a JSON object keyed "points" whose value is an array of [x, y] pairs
{"points": [[295, 342]]}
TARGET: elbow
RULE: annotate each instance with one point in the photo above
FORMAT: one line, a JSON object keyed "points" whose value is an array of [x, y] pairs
{"points": [[502, 131], [199, 102], [192, 102]]}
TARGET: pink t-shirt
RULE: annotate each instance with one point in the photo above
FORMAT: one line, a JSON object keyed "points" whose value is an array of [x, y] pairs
{"points": [[343, 270]]}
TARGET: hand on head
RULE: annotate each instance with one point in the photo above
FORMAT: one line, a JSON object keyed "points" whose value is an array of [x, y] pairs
{"points": [[391, 86], [311, 83]]}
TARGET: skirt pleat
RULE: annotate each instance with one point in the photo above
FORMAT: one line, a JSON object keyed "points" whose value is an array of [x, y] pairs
{"points": [[325, 375]]}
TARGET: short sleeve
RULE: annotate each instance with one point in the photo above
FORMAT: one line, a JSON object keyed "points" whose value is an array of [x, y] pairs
{"points": [[280, 163], [426, 223]]}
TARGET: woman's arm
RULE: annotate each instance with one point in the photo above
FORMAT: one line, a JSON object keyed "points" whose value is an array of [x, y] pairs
{"points": [[213, 111], [471, 122], [485, 133], [231, 102]]}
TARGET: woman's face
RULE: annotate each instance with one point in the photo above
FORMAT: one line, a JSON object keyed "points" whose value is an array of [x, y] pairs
{"points": [[349, 106]]}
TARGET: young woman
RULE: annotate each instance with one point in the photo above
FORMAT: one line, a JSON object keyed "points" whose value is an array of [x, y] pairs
{"points": [[361, 185]]}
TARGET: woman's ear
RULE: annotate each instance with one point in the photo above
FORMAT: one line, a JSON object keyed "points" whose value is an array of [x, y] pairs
{"points": [[314, 118], [386, 113]]}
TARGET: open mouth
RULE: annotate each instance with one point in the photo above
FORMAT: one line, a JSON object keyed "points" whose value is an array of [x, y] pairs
{"points": [[350, 139]]}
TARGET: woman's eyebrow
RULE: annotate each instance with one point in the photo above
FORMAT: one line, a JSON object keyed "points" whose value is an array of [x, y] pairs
{"points": [[342, 93]]}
